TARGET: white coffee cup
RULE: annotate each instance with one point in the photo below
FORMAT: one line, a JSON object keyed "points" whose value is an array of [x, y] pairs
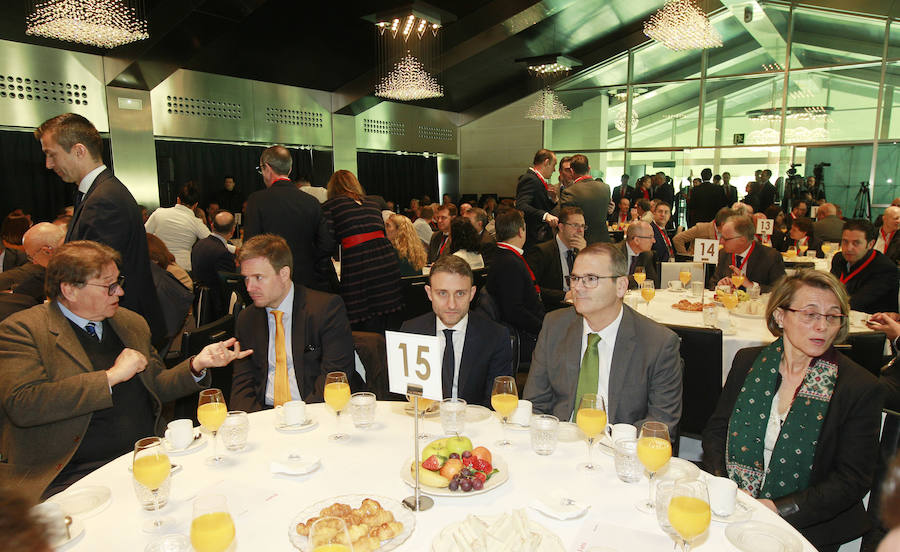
{"points": [[722, 495], [675, 285], [522, 414], [623, 431], [180, 433], [53, 519], [291, 413]]}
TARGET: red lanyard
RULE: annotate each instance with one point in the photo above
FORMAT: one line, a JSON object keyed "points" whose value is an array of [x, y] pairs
{"points": [[887, 239], [540, 176], [747, 256], [665, 237], [847, 278], [443, 244], [537, 288], [280, 179], [803, 241], [580, 178]]}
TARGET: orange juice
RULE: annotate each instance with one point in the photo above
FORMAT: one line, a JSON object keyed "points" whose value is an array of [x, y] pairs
{"points": [[648, 293], [803, 249], [737, 280], [337, 395], [685, 277], [332, 548], [504, 403], [212, 532], [151, 470], [639, 277], [654, 452], [592, 421], [689, 516], [212, 415], [826, 248], [730, 300]]}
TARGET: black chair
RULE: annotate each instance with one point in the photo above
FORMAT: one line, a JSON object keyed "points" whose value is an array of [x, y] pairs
{"points": [[233, 282], [202, 308], [372, 351], [14, 302], [867, 350], [415, 301], [887, 448], [701, 350], [192, 342]]}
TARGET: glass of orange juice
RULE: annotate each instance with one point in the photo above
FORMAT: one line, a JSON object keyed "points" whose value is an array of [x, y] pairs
{"points": [[211, 413], [212, 528], [685, 276], [737, 280], [654, 450], [337, 395], [591, 419], [648, 292], [688, 511], [329, 534], [504, 399], [639, 275], [151, 468]]}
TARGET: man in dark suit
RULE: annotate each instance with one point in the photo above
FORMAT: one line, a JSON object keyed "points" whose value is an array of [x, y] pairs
{"points": [[869, 276], [552, 260], [41, 241], [11, 258], [285, 211], [706, 200], [308, 329], [602, 346], [637, 247], [662, 188], [766, 190], [105, 211], [474, 349], [479, 219], [887, 238], [662, 247], [592, 196], [622, 190], [440, 239], [211, 255], [731, 193], [741, 253], [533, 198]]}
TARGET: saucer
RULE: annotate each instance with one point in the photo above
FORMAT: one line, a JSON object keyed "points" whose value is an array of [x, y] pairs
{"points": [[75, 531], [198, 443], [309, 424], [83, 502]]}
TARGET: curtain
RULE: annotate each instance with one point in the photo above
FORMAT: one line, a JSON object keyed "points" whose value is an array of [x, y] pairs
{"points": [[398, 178]]}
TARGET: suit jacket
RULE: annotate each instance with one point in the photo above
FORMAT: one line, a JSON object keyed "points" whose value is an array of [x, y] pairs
{"points": [[874, 289], [660, 248], [752, 199], [434, 246], [829, 511], [618, 191], [488, 247], [321, 342], [647, 259], [545, 263], [644, 382], [765, 266], [766, 195], [731, 194], [829, 229], [665, 192], [27, 279], [512, 288], [706, 200], [592, 197], [486, 354], [209, 256], [532, 199], [50, 390], [13, 258], [893, 248], [109, 214], [296, 216], [683, 242]]}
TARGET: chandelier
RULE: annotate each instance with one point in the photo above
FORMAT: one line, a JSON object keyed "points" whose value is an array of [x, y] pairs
{"points": [[548, 107], [621, 122], [408, 81], [682, 25], [409, 53], [101, 23], [800, 112]]}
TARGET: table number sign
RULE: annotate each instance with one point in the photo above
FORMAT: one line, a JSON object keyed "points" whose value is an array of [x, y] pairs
{"points": [[414, 361], [706, 251], [765, 226]]}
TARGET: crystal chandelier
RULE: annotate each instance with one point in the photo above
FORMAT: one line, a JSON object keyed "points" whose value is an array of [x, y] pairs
{"points": [[408, 81], [682, 25], [621, 122], [101, 23], [547, 107]]}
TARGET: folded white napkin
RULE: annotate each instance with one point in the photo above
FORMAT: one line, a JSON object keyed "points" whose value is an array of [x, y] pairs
{"points": [[558, 507], [295, 464]]}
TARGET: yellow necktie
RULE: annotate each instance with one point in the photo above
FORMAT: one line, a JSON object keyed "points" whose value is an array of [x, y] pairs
{"points": [[282, 387]]}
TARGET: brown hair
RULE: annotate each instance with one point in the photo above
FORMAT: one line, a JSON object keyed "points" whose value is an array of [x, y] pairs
{"points": [[452, 264], [542, 155], [19, 528], [407, 242], [617, 260], [344, 183], [787, 286], [269, 246], [508, 223], [159, 253], [75, 263], [14, 226], [69, 129], [278, 158], [568, 211]]}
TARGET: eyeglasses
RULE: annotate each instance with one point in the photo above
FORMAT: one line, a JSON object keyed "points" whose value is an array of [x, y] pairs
{"points": [[576, 226], [113, 287], [589, 281], [812, 317], [259, 168]]}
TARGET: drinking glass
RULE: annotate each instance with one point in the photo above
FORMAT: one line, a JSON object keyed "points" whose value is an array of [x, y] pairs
{"points": [[737, 280], [424, 405], [504, 399], [689, 512], [591, 419], [211, 413], [362, 409], [544, 434], [329, 534], [639, 275], [654, 451], [730, 300], [648, 291], [826, 248], [803, 247], [453, 415], [212, 529], [151, 468], [337, 395], [663, 497], [685, 276], [235, 430], [791, 252], [628, 467]]}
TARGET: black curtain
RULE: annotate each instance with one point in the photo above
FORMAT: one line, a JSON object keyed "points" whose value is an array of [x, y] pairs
{"points": [[398, 178], [207, 165], [26, 183]]}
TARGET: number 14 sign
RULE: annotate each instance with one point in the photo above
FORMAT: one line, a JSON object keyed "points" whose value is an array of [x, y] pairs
{"points": [[414, 360]]}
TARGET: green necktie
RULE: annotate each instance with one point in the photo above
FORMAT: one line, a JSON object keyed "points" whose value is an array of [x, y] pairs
{"points": [[589, 377]]}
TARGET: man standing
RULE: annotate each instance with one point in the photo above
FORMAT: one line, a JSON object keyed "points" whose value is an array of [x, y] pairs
{"points": [[601, 346], [869, 276], [304, 185], [740, 253], [766, 190], [552, 260], [591, 196], [41, 242], [731, 193], [298, 334], [105, 211], [474, 349], [662, 188], [622, 190], [706, 200], [212, 255], [229, 198], [662, 247], [177, 226], [533, 198], [888, 239], [637, 247], [283, 210], [439, 244], [566, 176]]}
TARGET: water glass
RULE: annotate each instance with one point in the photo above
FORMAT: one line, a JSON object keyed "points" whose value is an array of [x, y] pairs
{"points": [[362, 409], [628, 466], [696, 289], [453, 415], [145, 495], [663, 496], [234, 430], [544, 434], [710, 316]]}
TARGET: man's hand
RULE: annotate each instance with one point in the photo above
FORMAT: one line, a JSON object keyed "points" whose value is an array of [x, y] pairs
{"points": [[128, 363], [610, 208], [551, 220], [578, 242], [885, 322], [219, 354]]}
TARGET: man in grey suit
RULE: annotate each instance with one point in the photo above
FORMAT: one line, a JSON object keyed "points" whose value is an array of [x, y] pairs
{"points": [[828, 226], [592, 196], [602, 346]]}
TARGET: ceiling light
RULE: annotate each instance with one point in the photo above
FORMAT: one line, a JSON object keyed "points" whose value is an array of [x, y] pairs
{"points": [[552, 65], [682, 25], [621, 122], [101, 23], [548, 107], [408, 81], [800, 113]]}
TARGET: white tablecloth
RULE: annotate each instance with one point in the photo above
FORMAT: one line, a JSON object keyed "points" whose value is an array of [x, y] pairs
{"points": [[264, 504]]}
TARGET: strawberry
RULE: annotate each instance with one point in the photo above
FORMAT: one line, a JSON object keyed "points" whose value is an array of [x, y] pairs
{"points": [[468, 462], [433, 462], [481, 476], [482, 465]]}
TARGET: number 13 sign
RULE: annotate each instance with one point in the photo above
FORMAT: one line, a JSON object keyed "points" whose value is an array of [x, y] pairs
{"points": [[414, 360]]}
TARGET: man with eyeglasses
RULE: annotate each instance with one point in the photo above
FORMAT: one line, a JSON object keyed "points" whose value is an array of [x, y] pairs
{"points": [[741, 253], [869, 276], [81, 381], [40, 241], [637, 247], [591, 196], [552, 260], [602, 346]]}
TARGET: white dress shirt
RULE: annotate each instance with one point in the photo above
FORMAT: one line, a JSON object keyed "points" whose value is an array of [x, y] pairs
{"points": [[563, 262], [287, 307], [89, 178], [459, 339], [179, 229], [605, 349]]}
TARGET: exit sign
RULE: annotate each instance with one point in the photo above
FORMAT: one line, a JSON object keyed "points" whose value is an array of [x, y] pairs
{"points": [[738, 139]]}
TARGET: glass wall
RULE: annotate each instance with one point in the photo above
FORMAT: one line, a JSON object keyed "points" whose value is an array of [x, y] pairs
{"points": [[790, 85]]}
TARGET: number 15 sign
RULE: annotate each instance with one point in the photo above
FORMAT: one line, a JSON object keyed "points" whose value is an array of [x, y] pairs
{"points": [[414, 360]]}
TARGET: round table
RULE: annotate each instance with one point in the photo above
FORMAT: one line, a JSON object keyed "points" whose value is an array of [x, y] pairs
{"points": [[264, 504]]}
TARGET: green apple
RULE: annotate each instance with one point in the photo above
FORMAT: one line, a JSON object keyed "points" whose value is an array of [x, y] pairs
{"points": [[438, 447], [458, 444]]}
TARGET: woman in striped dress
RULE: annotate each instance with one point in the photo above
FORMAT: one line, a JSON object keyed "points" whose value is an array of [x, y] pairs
{"points": [[370, 276]]}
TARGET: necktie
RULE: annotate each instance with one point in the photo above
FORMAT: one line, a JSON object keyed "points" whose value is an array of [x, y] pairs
{"points": [[570, 259], [738, 260], [282, 387], [79, 195], [91, 329], [589, 376], [449, 365], [633, 264]]}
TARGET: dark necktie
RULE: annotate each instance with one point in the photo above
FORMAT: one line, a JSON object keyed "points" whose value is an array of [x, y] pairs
{"points": [[633, 264], [737, 260], [79, 195], [570, 259], [449, 365], [91, 329]]}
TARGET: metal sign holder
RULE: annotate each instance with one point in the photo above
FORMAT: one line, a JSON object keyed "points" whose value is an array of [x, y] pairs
{"points": [[418, 502]]}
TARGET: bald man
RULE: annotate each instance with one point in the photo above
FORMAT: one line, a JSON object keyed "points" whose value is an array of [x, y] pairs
{"points": [[828, 226], [40, 242], [888, 239]]}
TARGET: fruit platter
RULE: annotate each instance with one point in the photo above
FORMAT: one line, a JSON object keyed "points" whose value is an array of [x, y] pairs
{"points": [[453, 467]]}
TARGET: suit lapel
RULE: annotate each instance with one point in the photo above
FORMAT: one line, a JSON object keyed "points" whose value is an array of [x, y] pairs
{"points": [[298, 336], [470, 346], [259, 328], [66, 340], [76, 215], [622, 353], [557, 270], [571, 347]]}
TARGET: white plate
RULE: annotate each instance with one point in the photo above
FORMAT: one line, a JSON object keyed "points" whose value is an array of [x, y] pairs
{"points": [[309, 424], [756, 536], [407, 408], [401, 514], [678, 468], [742, 512], [517, 427], [570, 433], [670, 290], [477, 413], [198, 443], [75, 531], [495, 481], [444, 542], [83, 502], [744, 315]]}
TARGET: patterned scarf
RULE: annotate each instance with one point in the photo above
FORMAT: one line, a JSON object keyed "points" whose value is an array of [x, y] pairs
{"points": [[792, 458]]}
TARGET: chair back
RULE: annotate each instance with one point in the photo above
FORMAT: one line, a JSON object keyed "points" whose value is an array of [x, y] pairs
{"points": [[372, 351], [234, 283], [701, 351], [668, 271], [867, 350], [192, 342], [887, 448], [415, 301]]}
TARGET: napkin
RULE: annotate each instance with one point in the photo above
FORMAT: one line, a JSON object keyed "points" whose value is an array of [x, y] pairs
{"points": [[295, 464], [558, 507]]}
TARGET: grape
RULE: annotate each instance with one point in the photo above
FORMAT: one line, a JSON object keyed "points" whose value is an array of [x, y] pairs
{"points": [[454, 455], [467, 454], [465, 485], [454, 484], [477, 485]]}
